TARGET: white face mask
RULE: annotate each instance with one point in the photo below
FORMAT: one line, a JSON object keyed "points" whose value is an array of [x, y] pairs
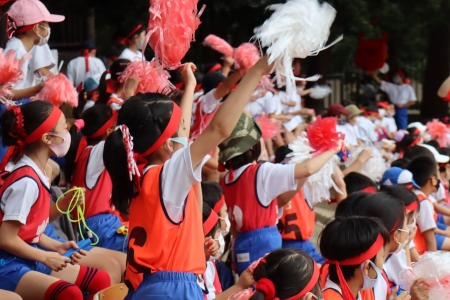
{"points": [[397, 79], [44, 40], [402, 244], [61, 149], [225, 231], [370, 282], [180, 140], [221, 248], [412, 225]]}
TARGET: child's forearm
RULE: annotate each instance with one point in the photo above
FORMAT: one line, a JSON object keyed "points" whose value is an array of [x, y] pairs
{"points": [[430, 240], [313, 165]]}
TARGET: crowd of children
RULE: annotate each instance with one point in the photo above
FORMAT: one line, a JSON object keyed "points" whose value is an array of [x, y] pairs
{"points": [[206, 190]]}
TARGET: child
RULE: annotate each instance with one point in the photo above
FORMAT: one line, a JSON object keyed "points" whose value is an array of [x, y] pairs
{"points": [[112, 92], [165, 250], [132, 36], [354, 249], [428, 236], [34, 266], [85, 168], [357, 182], [253, 210]]}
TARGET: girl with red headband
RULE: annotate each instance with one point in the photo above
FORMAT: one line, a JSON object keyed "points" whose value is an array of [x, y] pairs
{"points": [[32, 263], [354, 248], [112, 91], [166, 241], [391, 211], [132, 36]]}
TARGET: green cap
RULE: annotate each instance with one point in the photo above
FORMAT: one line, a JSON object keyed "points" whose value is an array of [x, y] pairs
{"points": [[245, 135], [355, 111]]}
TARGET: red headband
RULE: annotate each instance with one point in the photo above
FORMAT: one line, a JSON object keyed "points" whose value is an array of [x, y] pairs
{"points": [[45, 127], [412, 206], [128, 37], [169, 131], [209, 224], [219, 204], [357, 260], [266, 285], [369, 189], [109, 124]]}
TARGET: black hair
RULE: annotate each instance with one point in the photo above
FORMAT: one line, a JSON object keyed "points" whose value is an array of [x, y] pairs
{"points": [[422, 168], [94, 118], [207, 210], [408, 139], [356, 182], [146, 116], [401, 192], [125, 29], [417, 151], [386, 207], [281, 152], [401, 163], [116, 69], [212, 192], [34, 114], [348, 237], [289, 269], [245, 158]]}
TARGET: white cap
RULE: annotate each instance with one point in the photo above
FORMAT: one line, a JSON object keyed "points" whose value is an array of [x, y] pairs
{"points": [[422, 128], [441, 159]]}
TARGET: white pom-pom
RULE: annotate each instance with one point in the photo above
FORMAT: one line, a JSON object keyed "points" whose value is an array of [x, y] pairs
{"points": [[320, 91], [296, 29], [374, 167]]}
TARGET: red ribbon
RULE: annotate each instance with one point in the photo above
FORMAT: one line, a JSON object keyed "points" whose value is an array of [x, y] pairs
{"points": [[209, 224]]}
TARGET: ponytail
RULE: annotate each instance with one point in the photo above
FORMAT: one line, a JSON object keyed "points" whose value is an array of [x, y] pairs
{"points": [[116, 163], [103, 93], [76, 136]]}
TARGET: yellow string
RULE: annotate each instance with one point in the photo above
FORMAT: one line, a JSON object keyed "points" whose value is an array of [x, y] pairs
{"points": [[78, 193]]}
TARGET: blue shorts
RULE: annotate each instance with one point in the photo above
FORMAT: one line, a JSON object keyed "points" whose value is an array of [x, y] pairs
{"points": [[401, 117], [441, 225], [105, 226], [13, 268], [306, 246], [252, 245], [50, 231], [167, 285], [440, 218], [439, 240]]}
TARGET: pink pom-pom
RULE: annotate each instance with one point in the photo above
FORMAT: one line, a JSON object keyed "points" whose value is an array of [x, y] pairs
{"points": [[10, 71], [218, 44], [58, 90], [245, 56], [269, 127], [322, 134], [242, 295], [439, 132], [152, 77], [171, 29]]}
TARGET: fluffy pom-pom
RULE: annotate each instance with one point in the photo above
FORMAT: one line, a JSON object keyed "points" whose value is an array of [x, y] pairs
{"points": [[322, 134], [374, 167], [320, 91], [317, 186], [10, 71], [245, 56], [171, 29], [438, 131], [268, 127], [58, 90], [297, 29], [218, 44], [151, 76], [434, 268]]}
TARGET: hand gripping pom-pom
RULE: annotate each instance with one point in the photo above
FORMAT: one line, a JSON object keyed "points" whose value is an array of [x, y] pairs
{"points": [[245, 56], [171, 29], [296, 29], [322, 134], [58, 90]]}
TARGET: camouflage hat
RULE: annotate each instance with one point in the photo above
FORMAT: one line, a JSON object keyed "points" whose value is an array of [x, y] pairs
{"points": [[245, 135]]}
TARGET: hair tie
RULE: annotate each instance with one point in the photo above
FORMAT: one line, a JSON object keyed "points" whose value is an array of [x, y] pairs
{"points": [[20, 127], [133, 169], [266, 286]]}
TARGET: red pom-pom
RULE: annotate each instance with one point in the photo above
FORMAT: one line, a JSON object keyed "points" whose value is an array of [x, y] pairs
{"points": [[218, 44], [371, 54], [245, 56], [322, 134], [438, 132], [58, 90], [10, 71], [152, 77], [269, 127], [171, 29]]}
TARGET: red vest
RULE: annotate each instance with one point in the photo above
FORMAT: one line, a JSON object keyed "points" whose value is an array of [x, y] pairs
{"points": [[298, 220], [242, 200], [419, 240], [37, 218], [157, 243], [98, 198]]}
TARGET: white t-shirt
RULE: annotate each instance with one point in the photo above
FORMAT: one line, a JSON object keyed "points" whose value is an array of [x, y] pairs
{"points": [[366, 129], [178, 176], [19, 197], [261, 105], [425, 219], [398, 94], [41, 57], [351, 134], [273, 180], [17, 45], [76, 70], [293, 97], [389, 124], [95, 165], [380, 290], [131, 56], [394, 265], [440, 193]]}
